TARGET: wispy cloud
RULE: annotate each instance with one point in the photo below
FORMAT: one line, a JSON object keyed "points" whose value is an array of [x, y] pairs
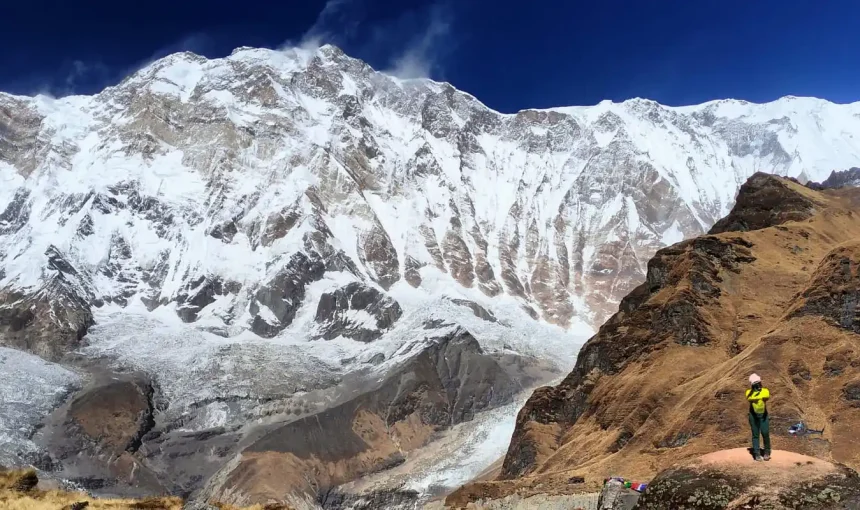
{"points": [[420, 57], [409, 44], [72, 77], [331, 23], [336, 23], [411, 41], [88, 76], [85, 74]]}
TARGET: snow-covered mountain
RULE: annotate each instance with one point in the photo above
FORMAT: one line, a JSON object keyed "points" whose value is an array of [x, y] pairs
{"points": [[194, 182], [205, 219]]}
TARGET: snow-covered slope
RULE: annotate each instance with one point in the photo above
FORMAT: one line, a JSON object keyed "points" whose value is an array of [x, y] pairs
{"points": [[298, 211], [194, 174]]}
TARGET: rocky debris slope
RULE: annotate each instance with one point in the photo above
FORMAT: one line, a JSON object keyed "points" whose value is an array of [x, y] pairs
{"points": [[773, 298], [443, 385], [732, 480], [92, 440], [533, 502], [208, 400]]}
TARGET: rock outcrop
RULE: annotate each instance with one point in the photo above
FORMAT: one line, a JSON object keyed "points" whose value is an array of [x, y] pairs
{"points": [[838, 179], [712, 310], [765, 202], [53, 320], [356, 311], [731, 480], [833, 292]]}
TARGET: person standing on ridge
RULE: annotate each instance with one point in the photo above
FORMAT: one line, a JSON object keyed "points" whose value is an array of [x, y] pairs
{"points": [[759, 423]]}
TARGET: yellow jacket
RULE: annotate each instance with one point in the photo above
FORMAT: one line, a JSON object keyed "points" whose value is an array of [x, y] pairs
{"points": [[758, 399]]}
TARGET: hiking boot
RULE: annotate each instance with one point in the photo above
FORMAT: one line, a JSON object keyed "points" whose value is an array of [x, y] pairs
{"points": [[758, 458], [766, 456]]}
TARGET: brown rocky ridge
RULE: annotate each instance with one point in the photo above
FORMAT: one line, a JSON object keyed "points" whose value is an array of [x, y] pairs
{"points": [[22, 490], [94, 439], [773, 289]]}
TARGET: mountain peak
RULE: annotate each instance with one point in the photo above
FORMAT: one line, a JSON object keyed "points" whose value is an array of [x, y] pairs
{"points": [[331, 49], [242, 49], [766, 201], [179, 57]]}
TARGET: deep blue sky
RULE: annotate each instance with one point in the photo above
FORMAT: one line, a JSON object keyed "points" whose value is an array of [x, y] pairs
{"points": [[511, 54]]}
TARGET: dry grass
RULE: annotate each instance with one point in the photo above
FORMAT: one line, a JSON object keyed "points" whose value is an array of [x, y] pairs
{"points": [[18, 492], [669, 402], [15, 495]]}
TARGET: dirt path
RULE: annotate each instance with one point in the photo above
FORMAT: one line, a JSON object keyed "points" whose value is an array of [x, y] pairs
{"points": [[780, 460]]}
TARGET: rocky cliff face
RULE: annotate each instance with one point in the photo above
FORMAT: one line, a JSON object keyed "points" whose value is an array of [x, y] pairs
{"points": [[268, 236], [770, 291]]}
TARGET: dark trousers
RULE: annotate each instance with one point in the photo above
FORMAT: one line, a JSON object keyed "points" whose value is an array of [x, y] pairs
{"points": [[760, 424]]}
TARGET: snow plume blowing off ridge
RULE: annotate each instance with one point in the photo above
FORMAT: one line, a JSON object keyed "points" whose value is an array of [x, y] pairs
{"points": [[412, 44]]}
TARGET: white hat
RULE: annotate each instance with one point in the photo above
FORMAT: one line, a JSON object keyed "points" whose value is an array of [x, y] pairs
{"points": [[755, 378]]}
